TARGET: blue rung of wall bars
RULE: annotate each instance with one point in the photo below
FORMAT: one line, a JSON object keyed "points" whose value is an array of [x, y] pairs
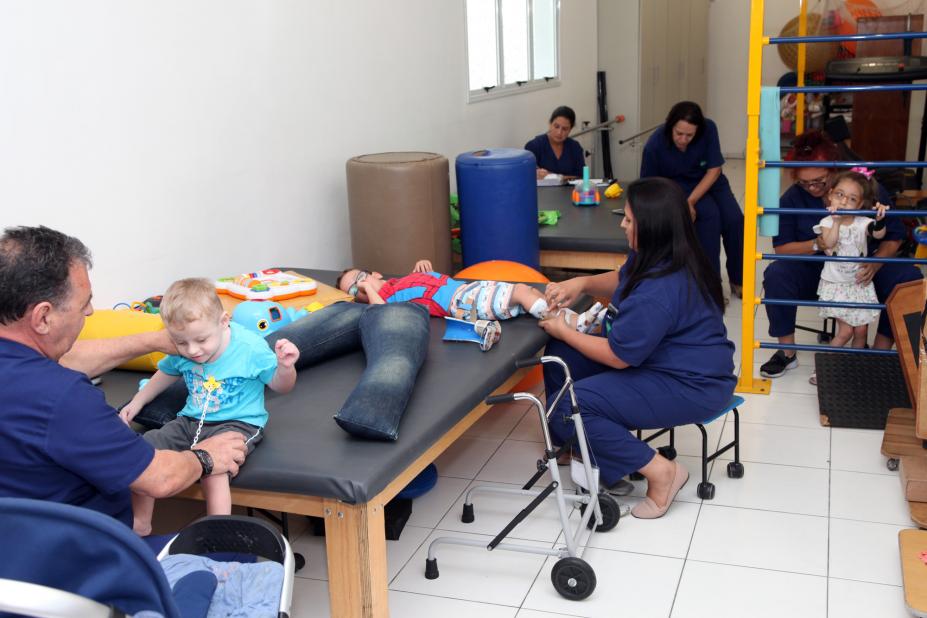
{"points": [[772, 345], [775, 210], [832, 38], [790, 257], [819, 303], [876, 88], [872, 164]]}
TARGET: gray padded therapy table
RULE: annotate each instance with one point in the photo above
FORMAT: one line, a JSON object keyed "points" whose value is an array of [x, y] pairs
{"points": [[585, 237], [307, 465]]}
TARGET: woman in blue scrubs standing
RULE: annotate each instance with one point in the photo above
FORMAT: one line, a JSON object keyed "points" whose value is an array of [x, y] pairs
{"points": [[663, 357], [686, 149], [555, 152]]}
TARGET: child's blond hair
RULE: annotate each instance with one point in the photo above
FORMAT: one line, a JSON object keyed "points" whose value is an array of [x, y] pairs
{"points": [[190, 299]]}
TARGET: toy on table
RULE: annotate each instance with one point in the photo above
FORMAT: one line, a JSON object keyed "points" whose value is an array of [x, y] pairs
{"points": [[586, 194], [265, 317], [270, 284], [613, 191], [920, 235]]}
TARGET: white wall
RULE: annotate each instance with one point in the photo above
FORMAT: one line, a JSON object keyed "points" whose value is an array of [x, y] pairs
{"points": [[209, 138], [728, 42], [619, 57]]}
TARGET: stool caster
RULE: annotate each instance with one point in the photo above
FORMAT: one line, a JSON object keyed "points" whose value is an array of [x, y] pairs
{"points": [[299, 561], [735, 470], [573, 578], [892, 464], [667, 451], [636, 476], [706, 490]]}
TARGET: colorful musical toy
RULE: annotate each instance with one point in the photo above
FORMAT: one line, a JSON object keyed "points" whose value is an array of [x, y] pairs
{"points": [[265, 317], [270, 284], [586, 194]]}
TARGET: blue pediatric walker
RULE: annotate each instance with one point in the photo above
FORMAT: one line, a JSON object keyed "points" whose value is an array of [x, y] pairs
{"points": [[572, 577]]}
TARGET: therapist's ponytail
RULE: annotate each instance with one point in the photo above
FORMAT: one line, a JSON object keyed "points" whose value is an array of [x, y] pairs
{"points": [[666, 240]]}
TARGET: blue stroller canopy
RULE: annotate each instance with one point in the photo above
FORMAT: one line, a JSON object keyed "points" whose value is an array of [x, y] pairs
{"points": [[83, 552]]}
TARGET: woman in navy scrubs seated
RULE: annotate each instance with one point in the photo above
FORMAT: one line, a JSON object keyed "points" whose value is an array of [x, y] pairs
{"points": [[799, 280], [686, 149], [663, 357], [555, 152]]}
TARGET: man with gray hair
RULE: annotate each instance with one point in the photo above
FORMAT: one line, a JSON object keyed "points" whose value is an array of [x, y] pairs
{"points": [[59, 439]]}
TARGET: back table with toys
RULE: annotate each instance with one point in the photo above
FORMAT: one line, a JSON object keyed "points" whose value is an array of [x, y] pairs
{"points": [[309, 466]]}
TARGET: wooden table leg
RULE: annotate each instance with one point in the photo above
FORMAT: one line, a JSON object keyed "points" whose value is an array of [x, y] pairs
{"points": [[355, 543]]}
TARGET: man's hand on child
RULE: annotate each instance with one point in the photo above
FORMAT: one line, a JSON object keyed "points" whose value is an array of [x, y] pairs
{"points": [[422, 266], [287, 353]]}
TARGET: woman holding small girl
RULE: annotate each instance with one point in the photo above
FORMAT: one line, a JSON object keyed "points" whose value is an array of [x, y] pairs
{"points": [[848, 236]]}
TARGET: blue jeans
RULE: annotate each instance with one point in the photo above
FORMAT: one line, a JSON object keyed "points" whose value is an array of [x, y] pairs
{"points": [[394, 338]]}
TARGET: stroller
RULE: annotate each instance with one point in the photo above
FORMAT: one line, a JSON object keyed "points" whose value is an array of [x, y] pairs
{"points": [[572, 577], [62, 560]]}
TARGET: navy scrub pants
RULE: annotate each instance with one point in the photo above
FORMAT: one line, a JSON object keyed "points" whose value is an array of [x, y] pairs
{"points": [[718, 219], [612, 403], [799, 281]]}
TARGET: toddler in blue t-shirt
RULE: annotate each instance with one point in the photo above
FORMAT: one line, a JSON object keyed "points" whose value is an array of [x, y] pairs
{"points": [[225, 368]]}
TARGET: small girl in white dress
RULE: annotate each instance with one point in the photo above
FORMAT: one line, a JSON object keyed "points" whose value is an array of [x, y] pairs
{"points": [[848, 235]]}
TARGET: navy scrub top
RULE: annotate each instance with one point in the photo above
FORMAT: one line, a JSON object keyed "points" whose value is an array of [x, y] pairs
{"points": [[662, 158], [570, 163], [665, 325], [797, 228]]}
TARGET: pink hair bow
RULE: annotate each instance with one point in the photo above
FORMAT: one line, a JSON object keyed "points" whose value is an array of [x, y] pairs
{"points": [[865, 171]]}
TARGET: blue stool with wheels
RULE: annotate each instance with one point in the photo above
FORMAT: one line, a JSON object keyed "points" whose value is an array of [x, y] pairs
{"points": [[735, 469]]}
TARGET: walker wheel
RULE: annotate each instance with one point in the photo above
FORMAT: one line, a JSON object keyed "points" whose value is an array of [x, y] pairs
{"points": [[892, 464], [573, 578], [668, 451], [735, 470], [611, 513], [706, 490]]}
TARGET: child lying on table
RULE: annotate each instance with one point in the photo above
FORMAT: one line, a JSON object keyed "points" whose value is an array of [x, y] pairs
{"points": [[446, 297]]}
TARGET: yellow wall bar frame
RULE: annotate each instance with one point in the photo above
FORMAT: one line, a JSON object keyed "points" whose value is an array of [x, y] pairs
{"points": [[747, 383], [802, 50]]}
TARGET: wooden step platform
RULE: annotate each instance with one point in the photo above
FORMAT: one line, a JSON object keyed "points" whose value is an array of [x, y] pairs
{"points": [[899, 440], [911, 544]]}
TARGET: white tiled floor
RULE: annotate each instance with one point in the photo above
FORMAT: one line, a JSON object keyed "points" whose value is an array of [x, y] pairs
{"points": [[810, 531]]}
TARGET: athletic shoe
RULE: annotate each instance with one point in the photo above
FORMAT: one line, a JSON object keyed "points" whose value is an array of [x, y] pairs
{"points": [[778, 364]]}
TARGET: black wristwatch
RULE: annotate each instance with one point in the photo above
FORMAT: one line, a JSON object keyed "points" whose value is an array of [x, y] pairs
{"points": [[205, 460]]}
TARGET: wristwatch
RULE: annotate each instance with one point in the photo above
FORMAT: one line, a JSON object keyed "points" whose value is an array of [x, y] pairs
{"points": [[205, 460]]}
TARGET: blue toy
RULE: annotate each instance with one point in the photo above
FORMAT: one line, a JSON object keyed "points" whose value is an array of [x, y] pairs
{"points": [[265, 317], [586, 194]]}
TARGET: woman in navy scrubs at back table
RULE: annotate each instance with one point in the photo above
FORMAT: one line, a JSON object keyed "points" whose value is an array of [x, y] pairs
{"points": [[555, 152], [686, 149]]}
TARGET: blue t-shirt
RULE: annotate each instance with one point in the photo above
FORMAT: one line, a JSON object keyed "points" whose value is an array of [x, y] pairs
{"points": [[60, 441], [666, 325], [662, 158], [798, 228], [571, 160], [238, 377]]}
